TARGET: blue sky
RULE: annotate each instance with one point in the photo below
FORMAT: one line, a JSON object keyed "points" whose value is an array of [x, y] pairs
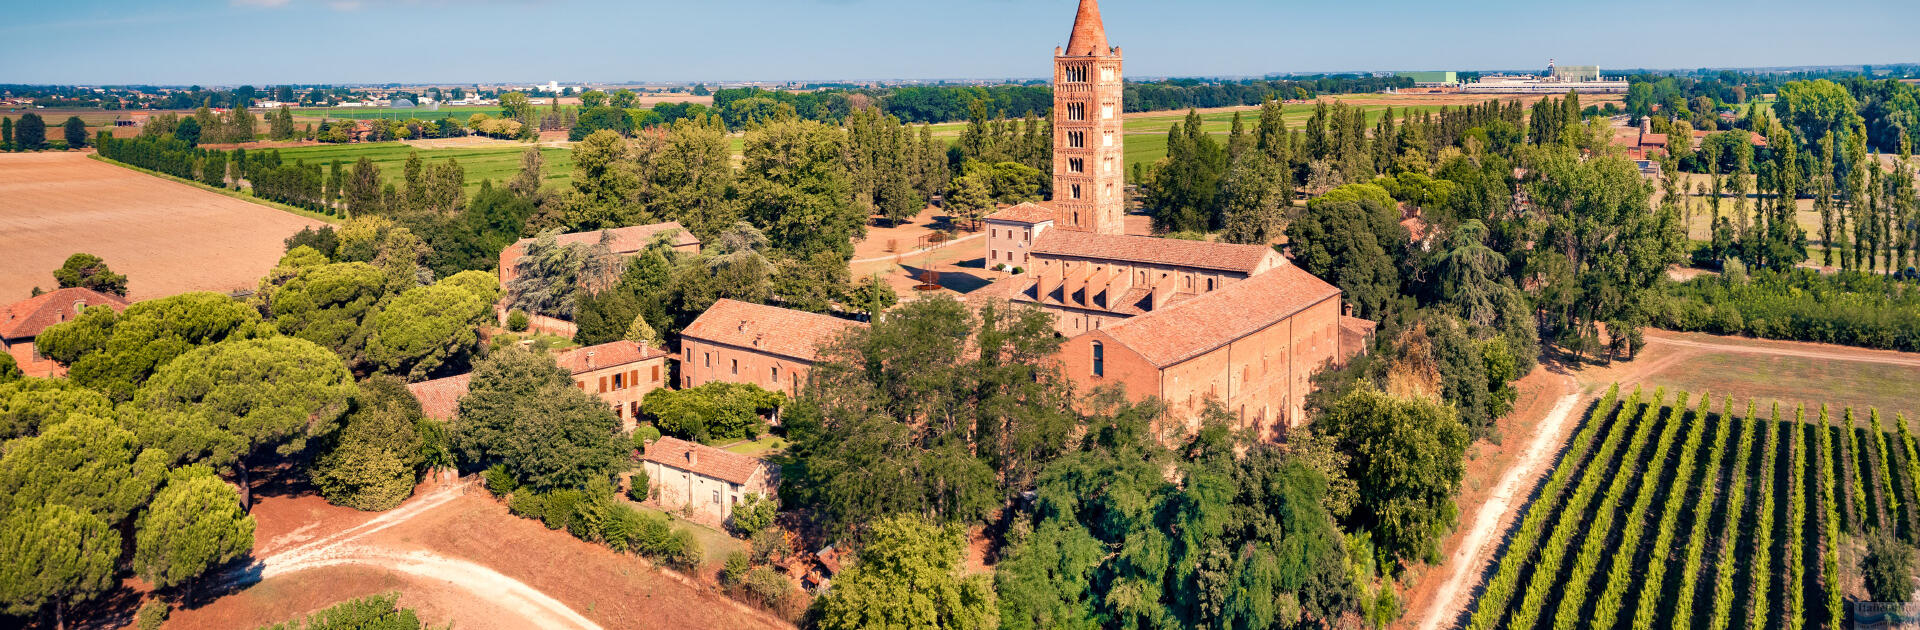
{"points": [[229, 42]]}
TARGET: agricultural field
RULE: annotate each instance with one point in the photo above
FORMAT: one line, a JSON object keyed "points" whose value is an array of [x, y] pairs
{"points": [[497, 160], [165, 236], [457, 112], [1674, 510]]}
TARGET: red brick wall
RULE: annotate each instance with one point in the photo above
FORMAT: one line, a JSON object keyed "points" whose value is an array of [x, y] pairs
{"points": [[1262, 378], [703, 362]]}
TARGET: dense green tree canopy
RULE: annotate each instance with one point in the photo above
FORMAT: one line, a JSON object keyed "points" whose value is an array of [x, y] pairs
{"points": [[431, 330], [795, 188], [116, 353], [1352, 237], [372, 460], [908, 575], [54, 554], [84, 462], [716, 411], [194, 524], [90, 272], [329, 304], [1407, 457], [26, 405], [523, 412]]}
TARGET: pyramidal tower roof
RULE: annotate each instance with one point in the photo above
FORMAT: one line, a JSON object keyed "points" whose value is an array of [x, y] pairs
{"points": [[1089, 34]]}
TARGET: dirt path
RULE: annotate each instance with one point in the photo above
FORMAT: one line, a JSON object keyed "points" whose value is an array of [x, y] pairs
{"points": [[1470, 558], [338, 549]]}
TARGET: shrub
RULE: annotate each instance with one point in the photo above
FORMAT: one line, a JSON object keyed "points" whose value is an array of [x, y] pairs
{"points": [[527, 505], [769, 545], [621, 528], [768, 585], [1019, 270], [1889, 569], [754, 514], [152, 614], [559, 510], [736, 569], [517, 321], [638, 486], [685, 550], [499, 481]]}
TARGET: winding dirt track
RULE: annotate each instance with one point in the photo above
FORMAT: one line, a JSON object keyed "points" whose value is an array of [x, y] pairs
{"points": [[338, 549]]}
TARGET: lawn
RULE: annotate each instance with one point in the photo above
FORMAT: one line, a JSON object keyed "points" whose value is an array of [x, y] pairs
{"points": [[496, 163], [715, 545], [766, 445]]}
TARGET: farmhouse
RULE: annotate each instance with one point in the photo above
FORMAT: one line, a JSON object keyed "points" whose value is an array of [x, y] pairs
{"points": [[768, 346], [22, 321], [708, 481], [626, 241], [1183, 321], [620, 373]]}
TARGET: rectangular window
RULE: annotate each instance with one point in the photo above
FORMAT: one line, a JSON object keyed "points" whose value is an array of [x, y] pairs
{"points": [[1107, 139], [775, 375], [1099, 359], [716, 497], [656, 374], [633, 378], [707, 357], [1106, 112], [619, 382], [580, 384], [736, 366], [603, 384], [633, 409]]}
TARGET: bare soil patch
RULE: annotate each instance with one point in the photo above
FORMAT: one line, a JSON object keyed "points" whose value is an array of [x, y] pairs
{"points": [[462, 142], [168, 238]]}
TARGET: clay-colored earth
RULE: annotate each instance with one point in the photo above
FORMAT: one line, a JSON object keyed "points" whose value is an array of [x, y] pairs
{"points": [[166, 237]]}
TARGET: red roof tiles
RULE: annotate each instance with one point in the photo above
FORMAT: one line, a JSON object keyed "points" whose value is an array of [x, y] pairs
{"points": [[606, 355], [1247, 259], [440, 398], [26, 318], [786, 332], [703, 460], [1199, 325], [1027, 213]]}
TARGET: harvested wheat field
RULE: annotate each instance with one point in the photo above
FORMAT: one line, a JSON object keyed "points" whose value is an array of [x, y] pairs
{"points": [[166, 237]]}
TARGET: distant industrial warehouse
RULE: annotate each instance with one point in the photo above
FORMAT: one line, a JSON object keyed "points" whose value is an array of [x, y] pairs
{"points": [[1558, 80]]}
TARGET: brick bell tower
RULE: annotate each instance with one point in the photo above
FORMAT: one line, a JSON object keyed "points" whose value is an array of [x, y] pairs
{"points": [[1089, 174]]}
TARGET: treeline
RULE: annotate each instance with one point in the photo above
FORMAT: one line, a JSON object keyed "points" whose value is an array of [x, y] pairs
{"points": [[298, 184], [1851, 308], [939, 104]]}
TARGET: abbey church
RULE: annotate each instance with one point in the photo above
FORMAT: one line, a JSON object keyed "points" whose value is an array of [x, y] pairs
{"points": [[1184, 321]]}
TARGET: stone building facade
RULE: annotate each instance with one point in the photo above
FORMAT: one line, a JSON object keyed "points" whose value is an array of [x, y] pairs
{"points": [[704, 480], [768, 346], [1089, 157]]}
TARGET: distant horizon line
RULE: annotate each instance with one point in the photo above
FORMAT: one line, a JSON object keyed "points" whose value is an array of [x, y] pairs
{"points": [[964, 80]]}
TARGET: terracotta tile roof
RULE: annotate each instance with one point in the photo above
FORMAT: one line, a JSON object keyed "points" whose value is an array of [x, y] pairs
{"points": [[1196, 326], [1247, 259], [702, 460], [605, 355], [1653, 140], [772, 329], [440, 398], [626, 240], [26, 318], [1028, 213]]}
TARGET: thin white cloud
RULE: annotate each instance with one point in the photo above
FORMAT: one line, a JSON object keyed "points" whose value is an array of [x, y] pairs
{"points": [[260, 3]]}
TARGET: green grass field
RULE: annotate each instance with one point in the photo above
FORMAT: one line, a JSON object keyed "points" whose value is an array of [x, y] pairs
{"points": [[498, 164], [458, 112]]}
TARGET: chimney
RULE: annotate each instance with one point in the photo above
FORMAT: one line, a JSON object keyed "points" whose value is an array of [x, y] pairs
{"points": [[589, 359], [743, 325], [692, 459]]}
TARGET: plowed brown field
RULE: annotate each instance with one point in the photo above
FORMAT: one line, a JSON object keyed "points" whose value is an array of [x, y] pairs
{"points": [[166, 237]]}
